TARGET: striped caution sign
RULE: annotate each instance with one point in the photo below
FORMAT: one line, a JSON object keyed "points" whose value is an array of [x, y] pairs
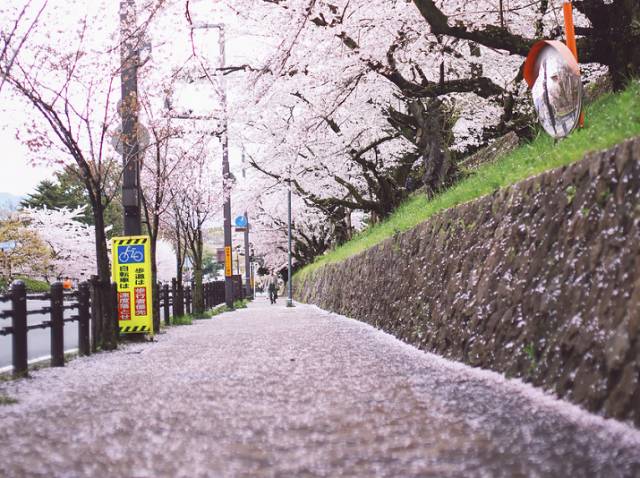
{"points": [[132, 273], [130, 240], [128, 329]]}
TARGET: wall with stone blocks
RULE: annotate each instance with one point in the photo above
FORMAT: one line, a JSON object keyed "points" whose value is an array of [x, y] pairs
{"points": [[540, 281]]}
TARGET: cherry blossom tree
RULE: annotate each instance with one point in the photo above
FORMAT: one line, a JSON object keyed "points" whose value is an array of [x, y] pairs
{"points": [[198, 196], [69, 76], [71, 243], [359, 103], [17, 23], [607, 28]]}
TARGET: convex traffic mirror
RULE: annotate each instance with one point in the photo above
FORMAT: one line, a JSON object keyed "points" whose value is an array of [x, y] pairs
{"points": [[553, 75]]}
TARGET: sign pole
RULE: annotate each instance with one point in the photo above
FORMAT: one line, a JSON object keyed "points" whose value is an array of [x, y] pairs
{"points": [[570, 34], [569, 28], [247, 259]]}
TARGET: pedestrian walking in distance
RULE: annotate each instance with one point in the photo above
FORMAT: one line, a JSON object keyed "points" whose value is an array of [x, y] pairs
{"points": [[273, 288]]}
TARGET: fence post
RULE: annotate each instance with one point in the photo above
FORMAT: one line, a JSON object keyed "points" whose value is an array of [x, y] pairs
{"points": [[174, 294], [187, 298], [165, 304], [57, 325], [19, 326], [84, 314], [180, 297], [205, 296], [156, 308], [113, 297]]}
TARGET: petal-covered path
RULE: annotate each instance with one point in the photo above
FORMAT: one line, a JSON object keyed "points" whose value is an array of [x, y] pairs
{"points": [[271, 391]]}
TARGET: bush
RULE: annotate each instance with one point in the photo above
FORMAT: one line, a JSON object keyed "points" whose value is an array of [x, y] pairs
{"points": [[33, 285]]}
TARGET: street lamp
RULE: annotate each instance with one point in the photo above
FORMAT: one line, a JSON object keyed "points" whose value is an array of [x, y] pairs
{"points": [[289, 278]]}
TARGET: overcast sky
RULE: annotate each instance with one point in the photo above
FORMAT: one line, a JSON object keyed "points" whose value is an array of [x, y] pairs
{"points": [[17, 176], [20, 177]]}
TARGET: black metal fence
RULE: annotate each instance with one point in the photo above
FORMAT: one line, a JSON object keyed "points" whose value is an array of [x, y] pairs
{"points": [[59, 301], [176, 300], [169, 300]]}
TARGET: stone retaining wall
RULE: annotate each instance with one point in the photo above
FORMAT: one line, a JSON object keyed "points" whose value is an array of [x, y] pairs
{"points": [[540, 280]]}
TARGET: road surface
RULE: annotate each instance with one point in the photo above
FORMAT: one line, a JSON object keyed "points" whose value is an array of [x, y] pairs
{"points": [[276, 392]]}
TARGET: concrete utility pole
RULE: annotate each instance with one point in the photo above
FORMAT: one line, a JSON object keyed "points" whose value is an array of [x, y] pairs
{"points": [[247, 258], [228, 282], [130, 58], [226, 174]]}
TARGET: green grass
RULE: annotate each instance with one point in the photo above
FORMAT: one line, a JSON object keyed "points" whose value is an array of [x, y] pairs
{"points": [[221, 309], [207, 314], [32, 285], [609, 120], [182, 320], [240, 304]]}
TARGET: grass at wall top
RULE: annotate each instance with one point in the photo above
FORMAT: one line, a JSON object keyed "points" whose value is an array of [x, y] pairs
{"points": [[609, 120]]}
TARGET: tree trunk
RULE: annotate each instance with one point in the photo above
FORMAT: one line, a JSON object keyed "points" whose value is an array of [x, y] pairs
{"points": [[438, 166], [619, 41], [198, 290], [179, 255], [198, 287], [107, 314]]}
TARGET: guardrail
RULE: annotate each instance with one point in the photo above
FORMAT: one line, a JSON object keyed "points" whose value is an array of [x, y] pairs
{"points": [[79, 301]]}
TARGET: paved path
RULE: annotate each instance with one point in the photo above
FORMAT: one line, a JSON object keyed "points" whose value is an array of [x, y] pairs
{"points": [[271, 391]]}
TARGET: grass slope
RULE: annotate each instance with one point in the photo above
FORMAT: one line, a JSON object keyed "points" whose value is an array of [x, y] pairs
{"points": [[609, 120]]}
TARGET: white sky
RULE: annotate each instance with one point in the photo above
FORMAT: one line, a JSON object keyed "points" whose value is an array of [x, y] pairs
{"points": [[17, 176], [20, 177]]}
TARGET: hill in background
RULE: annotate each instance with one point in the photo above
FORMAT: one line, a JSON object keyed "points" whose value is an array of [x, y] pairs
{"points": [[9, 202]]}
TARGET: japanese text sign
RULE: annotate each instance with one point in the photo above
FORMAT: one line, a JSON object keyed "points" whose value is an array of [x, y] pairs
{"points": [[132, 273]]}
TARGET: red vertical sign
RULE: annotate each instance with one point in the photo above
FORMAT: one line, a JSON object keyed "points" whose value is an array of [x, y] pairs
{"points": [[124, 306], [141, 300]]}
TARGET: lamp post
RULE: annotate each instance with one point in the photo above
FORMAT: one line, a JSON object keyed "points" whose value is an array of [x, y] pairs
{"points": [[289, 278]]}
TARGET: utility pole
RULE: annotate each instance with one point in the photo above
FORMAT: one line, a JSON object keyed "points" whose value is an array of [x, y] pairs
{"points": [[247, 258], [226, 174], [130, 58], [226, 190]]}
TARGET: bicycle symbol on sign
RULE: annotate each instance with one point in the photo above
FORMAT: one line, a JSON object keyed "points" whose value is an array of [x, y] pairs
{"points": [[129, 254]]}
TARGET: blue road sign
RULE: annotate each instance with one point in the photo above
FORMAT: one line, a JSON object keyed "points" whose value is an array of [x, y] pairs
{"points": [[241, 221], [130, 254]]}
